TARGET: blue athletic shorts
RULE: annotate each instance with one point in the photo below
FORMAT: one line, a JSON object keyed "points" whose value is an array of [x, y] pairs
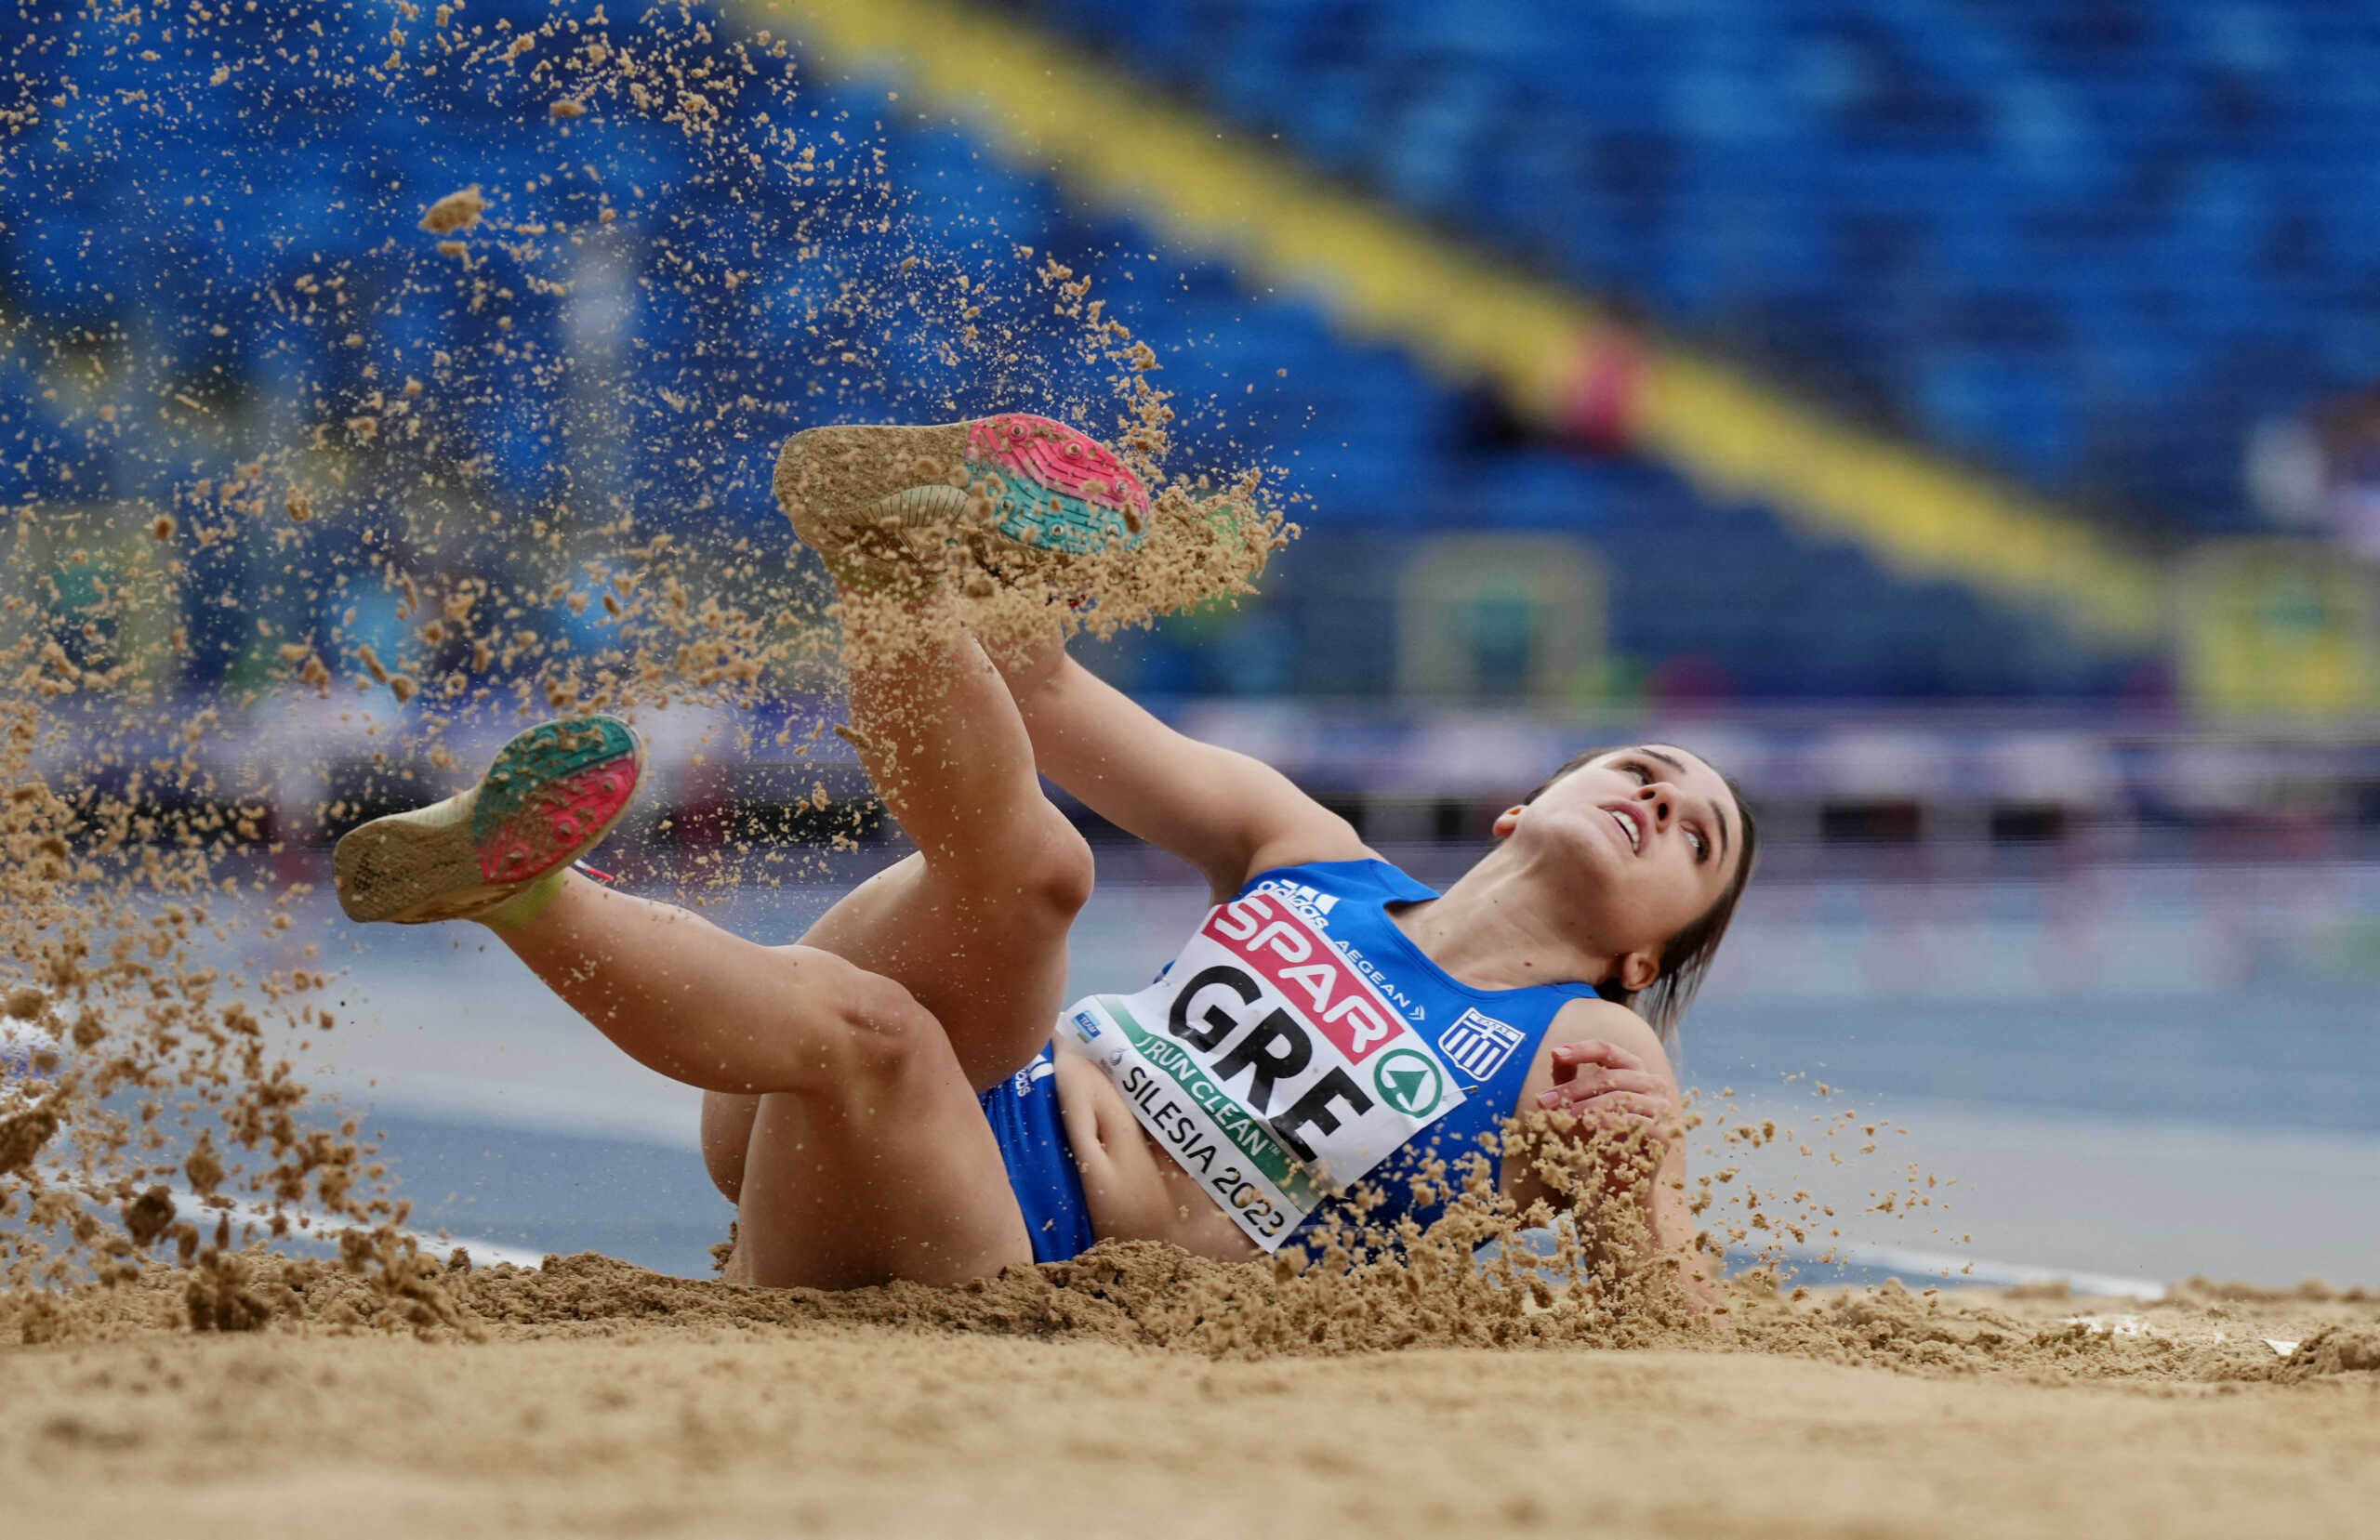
{"points": [[1023, 1111]]}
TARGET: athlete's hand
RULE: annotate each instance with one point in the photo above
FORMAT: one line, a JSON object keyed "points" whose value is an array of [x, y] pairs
{"points": [[1621, 1106]]}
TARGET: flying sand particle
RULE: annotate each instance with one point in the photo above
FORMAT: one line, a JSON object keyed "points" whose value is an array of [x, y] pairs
{"points": [[456, 211]]}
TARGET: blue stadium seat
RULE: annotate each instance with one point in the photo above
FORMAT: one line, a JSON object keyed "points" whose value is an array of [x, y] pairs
{"points": [[1924, 209], [2168, 182]]}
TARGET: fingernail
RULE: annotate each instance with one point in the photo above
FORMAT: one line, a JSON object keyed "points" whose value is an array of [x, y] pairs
{"points": [[1549, 1098]]}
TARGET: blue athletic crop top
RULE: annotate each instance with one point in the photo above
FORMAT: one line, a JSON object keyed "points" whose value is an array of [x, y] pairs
{"points": [[1487, 1038], [1300, 1044]]}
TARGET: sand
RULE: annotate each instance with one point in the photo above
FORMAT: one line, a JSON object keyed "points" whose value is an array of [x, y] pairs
{"points": [[615, 1402], [865, 1431]]}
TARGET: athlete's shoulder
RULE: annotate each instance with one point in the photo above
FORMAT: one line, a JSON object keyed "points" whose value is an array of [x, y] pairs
{"points": [[1593, 1019]]}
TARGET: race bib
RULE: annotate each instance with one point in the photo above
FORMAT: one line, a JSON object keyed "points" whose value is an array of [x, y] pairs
{"points": [[1275, 1072]]}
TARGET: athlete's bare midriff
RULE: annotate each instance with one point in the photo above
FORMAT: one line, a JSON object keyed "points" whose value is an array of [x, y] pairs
{"points": [[1134, 1190]]}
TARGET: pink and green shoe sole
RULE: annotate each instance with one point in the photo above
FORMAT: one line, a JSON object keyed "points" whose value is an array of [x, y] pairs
{"points": [[550, 796], [1051, 489], [1054, 488]]}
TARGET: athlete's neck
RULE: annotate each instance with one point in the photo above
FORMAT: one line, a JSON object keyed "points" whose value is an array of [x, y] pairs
{"points": [[1492, 930]]}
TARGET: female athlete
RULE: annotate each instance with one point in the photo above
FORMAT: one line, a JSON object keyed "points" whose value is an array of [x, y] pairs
{"points": [[900, 1095]]}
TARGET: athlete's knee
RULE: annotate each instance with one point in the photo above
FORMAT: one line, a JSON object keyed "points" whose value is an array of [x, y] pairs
{"points": [[726, 1135], [1056, 872], [878, 1034]]}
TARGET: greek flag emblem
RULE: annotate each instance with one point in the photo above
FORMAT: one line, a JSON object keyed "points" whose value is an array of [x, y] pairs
{"points": [[1479, 1046]]}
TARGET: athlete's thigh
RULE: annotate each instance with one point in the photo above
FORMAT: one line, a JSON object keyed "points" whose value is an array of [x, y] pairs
{"points": [[897, 1178], [993, 973]]}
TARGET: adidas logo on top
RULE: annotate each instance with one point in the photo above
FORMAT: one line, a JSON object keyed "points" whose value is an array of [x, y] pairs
{"points": [[1305, 896]]}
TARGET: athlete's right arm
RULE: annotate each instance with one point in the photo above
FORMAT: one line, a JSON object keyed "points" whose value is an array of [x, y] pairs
{"points": [[1228, 815]]}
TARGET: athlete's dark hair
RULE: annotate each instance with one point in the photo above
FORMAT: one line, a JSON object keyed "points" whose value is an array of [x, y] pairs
{"points": [[1687, 958]]}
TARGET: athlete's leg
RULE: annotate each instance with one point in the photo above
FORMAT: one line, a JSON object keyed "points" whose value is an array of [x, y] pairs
{"points": [[976, 922], [973, 925], [726, 1137], [878, 1159], [867, 1156]]}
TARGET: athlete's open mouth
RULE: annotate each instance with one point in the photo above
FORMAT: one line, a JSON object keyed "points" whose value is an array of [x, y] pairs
{"points": [[1629, 825]]}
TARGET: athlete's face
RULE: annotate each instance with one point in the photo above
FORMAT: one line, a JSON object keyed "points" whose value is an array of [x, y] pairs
{"points": [[1641, 842]]}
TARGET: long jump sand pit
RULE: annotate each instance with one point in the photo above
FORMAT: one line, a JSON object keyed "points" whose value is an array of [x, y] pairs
{"points": [[1145, 1394]]}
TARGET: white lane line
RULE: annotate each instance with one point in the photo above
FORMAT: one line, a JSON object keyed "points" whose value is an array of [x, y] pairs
{"points": [[1952, 1267], [2133, 1325], [322, 1228], [1541, 1242], [1949, 1266]]}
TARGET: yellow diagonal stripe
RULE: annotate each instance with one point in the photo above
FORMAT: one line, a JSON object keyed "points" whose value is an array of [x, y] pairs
{"points": [[1466, 314]]}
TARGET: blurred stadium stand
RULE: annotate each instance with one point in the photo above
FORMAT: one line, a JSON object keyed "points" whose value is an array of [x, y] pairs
{"points": [[2083, 246], [2086, 244]]}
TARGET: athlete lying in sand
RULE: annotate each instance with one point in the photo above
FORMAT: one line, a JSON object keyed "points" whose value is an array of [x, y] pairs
{"points": [[884, 1098]]}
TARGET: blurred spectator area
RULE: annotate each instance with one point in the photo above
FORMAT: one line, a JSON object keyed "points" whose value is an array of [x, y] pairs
{"points": [[1893, 790], [2083, 243]]}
